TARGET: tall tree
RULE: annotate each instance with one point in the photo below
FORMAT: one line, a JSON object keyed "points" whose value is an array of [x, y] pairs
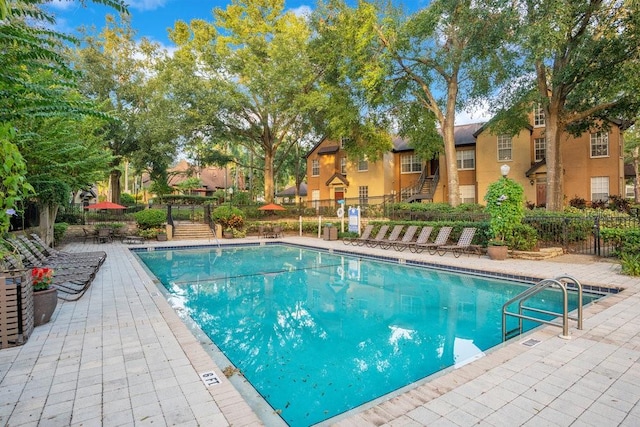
{"points": [[256, 81], [583, 60], [632, 155], [123, 76], [440, 59]]}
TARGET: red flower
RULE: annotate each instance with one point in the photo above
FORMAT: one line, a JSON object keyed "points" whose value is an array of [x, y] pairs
{"points": [[42, 278]]}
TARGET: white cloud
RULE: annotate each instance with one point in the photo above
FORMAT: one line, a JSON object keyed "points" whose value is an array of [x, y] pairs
{"points": [[477, 114], [62, 4], [143, 5], [302, 11]]}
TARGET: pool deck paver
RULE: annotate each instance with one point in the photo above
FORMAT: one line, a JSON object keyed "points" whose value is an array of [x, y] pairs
{"points": [[122, 356]]}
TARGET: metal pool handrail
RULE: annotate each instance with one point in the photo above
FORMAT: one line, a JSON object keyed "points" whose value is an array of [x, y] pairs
{"points": [[558, 282]]}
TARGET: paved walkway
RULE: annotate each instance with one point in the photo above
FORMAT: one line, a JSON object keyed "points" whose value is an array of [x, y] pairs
{"points": [[122, 356]]}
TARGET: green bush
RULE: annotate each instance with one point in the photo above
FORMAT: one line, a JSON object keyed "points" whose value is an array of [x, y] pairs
{"points": [[524, 238], [505, 205], [127, 199], [630, 263], [59, 228], [150, 218], [228, 217]]}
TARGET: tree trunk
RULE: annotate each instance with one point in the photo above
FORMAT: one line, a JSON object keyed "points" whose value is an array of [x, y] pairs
{"points": [[47, 219], [555, 178], [114, 181], [268, 176], [636, 170], [452, 165]]}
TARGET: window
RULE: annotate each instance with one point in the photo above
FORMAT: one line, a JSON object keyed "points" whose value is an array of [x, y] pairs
{"points": [[467, 193], [315, 167], [466, 159], [504, 147], [363, 165], [363, 195], [410, 163], [344, 141], [538, 116], [599, 144], [343, 166], [315, 198], [599, 188], [540, 149]]}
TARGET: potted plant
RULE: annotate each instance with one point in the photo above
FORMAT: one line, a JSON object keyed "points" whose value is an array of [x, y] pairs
{"points": [[506, 209], [230, 219], [45, 296]]}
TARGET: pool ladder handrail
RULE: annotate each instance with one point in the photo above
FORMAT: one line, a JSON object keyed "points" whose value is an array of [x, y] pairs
{"points": [[559, 282]]}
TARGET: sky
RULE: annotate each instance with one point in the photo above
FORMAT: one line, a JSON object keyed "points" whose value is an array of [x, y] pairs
{"points": [[152, 19]]}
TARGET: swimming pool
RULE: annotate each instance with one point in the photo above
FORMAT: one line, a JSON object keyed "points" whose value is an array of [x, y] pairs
{"points": [[319, 333]]}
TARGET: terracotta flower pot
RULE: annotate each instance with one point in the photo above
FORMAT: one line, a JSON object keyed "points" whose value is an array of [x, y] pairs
{"points": [[44, 304], [498, 252]]}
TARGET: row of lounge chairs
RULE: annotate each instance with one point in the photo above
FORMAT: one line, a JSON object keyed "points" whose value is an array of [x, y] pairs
{"points": [[439, 245], [73, 272]]}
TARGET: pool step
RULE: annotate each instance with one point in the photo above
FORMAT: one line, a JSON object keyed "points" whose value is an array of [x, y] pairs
{"points": [[192, 231]]}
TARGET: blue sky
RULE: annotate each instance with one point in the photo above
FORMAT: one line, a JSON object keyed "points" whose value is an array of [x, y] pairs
{"points": [[152, 18]]}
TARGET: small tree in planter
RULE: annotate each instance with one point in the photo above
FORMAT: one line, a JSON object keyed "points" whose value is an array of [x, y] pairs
{"points": [[505, 205]]}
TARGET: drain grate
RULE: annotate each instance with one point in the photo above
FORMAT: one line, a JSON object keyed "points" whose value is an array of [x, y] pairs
{"points": [[531, 342]]}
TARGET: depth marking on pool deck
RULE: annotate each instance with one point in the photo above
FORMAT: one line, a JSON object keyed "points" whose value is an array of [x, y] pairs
{"points": [[209, 378]]}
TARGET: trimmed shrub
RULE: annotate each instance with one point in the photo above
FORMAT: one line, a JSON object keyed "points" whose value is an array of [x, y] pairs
{"points": [[228, 217], [150, 218], [59, 228]]}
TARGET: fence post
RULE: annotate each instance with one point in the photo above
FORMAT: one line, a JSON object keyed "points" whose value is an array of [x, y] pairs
{"points": [[596, 235]]}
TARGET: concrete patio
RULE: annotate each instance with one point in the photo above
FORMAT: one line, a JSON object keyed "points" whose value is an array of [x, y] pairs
{"points": [[122, 356]]}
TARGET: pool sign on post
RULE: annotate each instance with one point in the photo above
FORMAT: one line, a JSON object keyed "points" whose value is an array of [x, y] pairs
{"points": [[354, 219]]}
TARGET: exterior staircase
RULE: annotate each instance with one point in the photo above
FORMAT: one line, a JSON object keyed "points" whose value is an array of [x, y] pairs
{"points": [[424, 188], [192, 231]]}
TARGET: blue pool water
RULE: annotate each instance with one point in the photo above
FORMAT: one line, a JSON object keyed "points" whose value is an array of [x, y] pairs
{"points": [[317, 334]]}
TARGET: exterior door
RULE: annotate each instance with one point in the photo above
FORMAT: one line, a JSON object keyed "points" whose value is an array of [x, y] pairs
{"points": [[541, 194]]}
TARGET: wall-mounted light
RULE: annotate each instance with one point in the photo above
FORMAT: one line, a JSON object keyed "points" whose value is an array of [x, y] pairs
{"points": [[532, 181], [504, 170]]}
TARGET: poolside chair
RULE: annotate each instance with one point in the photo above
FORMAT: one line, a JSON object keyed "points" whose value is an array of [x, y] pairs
{"points": [[441, 239], [463, 245], [64, 269], [395, 234], [372, 243], [406, 238], [423, 238], [90, 258], [364, 236], [104, 235], [48, 256]]}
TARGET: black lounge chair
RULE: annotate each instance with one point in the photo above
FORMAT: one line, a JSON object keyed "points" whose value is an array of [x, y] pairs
{"points": [[463, 245], [393, 237], [362, 238], [406, 238], [98, 256], [372, 243], [423, 238], [441, 239]]}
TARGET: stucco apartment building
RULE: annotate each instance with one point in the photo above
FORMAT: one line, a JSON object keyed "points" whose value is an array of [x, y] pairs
{"points": [[593, 167]]}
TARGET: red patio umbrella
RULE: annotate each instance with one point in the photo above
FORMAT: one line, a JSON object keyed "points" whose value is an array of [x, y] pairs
{"points": [[271, 207], [105, 205]]}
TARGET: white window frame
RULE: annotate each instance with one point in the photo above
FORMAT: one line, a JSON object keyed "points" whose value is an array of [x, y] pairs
{"points": [[538, 116], [363, 165], [599, 188], [343, 166], [410, 163], [467, 193], [505, 148], [466, 159], [599, 144], [315, 198], [315, 167], [343, 140], [363, 194], [539, 149]]}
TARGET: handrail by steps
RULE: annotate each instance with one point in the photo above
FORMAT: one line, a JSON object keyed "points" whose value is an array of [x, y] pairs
{"points": [[558, 282]]}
